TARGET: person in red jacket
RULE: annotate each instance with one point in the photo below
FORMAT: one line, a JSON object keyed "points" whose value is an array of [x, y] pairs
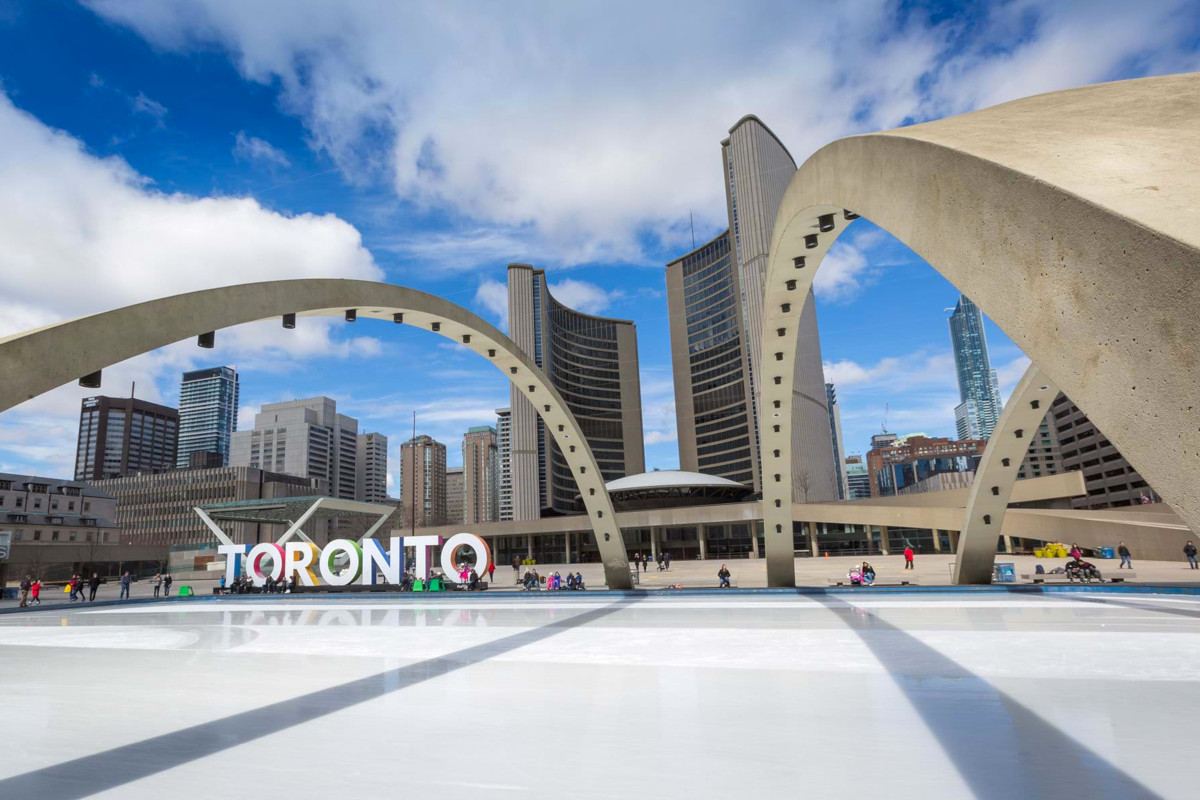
{"points": [[908, 557]]}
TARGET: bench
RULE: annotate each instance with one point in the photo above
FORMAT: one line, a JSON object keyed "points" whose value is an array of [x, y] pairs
{"points": [[1049, 577], [880, 580]]}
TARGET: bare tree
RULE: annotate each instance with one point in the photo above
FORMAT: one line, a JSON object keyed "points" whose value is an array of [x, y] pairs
{"points": [[805, 482]]}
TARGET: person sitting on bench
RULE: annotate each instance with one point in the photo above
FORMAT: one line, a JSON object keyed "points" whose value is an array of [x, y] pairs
{"points": [[723, 576], [579, 581]]}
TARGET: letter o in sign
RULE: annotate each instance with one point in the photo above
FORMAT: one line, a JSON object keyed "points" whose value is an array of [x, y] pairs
{"points": [[329, 555], [483, 555], [255, 558]]}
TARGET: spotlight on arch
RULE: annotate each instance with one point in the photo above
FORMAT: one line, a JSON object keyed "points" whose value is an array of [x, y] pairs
{"points": [[848, 214], [398, 318], [289, 321], [207, 340], [810, 241], [351, 314], [825, 223], [91, 380]]}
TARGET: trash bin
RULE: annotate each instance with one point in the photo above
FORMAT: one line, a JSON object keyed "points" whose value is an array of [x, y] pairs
{"points": [[1004, 572], [1107, 552]]}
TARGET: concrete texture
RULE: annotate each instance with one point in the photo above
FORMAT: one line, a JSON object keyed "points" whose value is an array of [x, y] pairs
{"points": [[69, 350], [1072, 219], [997, 474]]}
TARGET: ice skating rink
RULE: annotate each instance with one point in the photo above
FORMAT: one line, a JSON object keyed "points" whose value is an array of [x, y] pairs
{"points": [[890, 694]]}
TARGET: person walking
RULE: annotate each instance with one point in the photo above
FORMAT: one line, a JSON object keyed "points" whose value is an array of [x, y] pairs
{"points": [[667, 559], [93, 587], [517, 569], [491, 571], [156, 582], [1126, 558], [908, 557], [167, 580], [73, 585], [660, 562], [35, 592], [1189, 550], [645, 560], [26, 584], [125, 581]]}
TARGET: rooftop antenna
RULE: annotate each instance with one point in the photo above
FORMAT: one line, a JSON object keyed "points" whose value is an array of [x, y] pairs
{"points": [[692, 225], [132, 388], [885, 413]]}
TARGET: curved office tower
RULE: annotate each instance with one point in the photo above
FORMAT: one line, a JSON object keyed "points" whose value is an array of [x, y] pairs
{"points": [[713, 404], [592, 361], [757, 169]]}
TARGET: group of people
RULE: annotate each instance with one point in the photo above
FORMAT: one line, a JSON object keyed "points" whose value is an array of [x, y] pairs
{"points": [[533, 581], [865, 575], [162, 582], [242, 584], [664, 561], [79, 586], [83, 590], [31, 590]]}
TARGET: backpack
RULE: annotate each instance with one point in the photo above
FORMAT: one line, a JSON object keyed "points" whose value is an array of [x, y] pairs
{"points": [[1039, 569]]}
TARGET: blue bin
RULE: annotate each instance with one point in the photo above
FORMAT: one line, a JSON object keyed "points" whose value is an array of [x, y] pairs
{"points": [[1107, 552], [1004, 572]]}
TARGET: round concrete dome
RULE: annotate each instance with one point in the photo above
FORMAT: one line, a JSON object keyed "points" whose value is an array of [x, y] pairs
{"points": [[670, 487]]}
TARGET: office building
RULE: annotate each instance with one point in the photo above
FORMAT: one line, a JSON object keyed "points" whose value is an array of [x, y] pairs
{"points": [[426, 483], [976, 416], [593, 363], [481, 475], [715, 304], [835, 427], [208, 409], [897, 463], [1111, 481], [122, 435], [504, 452], [305, 438], [454, 495], [1044, 456], [371, 468], [858, 482], [159, 508]]}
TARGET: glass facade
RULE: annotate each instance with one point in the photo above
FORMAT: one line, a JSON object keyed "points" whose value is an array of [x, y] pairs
{"points": [[208, 404], [894, 477], [120, 436], [977, 385]]}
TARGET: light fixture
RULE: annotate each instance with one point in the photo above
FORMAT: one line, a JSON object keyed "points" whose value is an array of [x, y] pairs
{"points": [[351, 314], [207, 340], [825, 223], [289, 321], [398, 318], [91, 380]]}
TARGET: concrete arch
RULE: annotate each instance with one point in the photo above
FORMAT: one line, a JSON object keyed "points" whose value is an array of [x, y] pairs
{"points": [[997, 473], [36, 361], [1072, 219]]}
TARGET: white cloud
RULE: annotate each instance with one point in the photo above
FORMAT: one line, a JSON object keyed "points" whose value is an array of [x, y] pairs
{"points": [[583, 296], [492, 295], [151, 108], [581, 135], [83, 234], [251, 148]]}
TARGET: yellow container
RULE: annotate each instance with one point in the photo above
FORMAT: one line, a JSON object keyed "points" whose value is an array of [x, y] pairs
{"points": [[1039, 553]]}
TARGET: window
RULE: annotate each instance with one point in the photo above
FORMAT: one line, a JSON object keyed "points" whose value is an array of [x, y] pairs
{"points": [[37, 536], [20, 501], [16, 536], [54, 536]]}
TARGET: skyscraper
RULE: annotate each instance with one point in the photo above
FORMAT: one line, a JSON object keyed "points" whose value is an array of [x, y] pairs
{"points": [[454, 495], [427, 485], [976, 416], [208, 408], [593, 363], [715, 303], [504, 452], [371, 468], [121, 436], [839, 445], [481, 475], [307, 438]]}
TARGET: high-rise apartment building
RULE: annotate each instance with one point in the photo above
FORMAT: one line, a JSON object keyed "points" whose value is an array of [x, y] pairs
{"points": [[1044, 456], [858, 482], [122, 435], [592, 362], [306, 438], [423, 480], [839, 444], [208, 409], [976, 416], [371, 468], [454, 495], [481, 475], [504, 451], [715, 303]]}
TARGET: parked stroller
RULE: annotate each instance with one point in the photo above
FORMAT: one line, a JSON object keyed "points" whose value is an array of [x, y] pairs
{"points": [[1082, 571]]}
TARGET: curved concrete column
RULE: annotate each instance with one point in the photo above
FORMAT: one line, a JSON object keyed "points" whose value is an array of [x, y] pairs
{"points": [[36, 361], [1071, 219], [997, 472]]}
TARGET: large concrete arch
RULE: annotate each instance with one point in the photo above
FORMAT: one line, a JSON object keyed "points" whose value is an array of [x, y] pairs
{"points": [[997, 473], [1072, 219], [36, 361]]}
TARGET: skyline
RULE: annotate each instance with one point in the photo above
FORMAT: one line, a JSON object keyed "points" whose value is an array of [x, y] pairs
{"points": [[231, 167]]}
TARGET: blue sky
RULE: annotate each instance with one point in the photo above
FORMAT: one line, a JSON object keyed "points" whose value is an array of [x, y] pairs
{"points": [[148, 148]]}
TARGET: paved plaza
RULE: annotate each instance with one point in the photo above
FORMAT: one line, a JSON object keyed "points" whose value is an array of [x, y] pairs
{"points": [[984, 694]]}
